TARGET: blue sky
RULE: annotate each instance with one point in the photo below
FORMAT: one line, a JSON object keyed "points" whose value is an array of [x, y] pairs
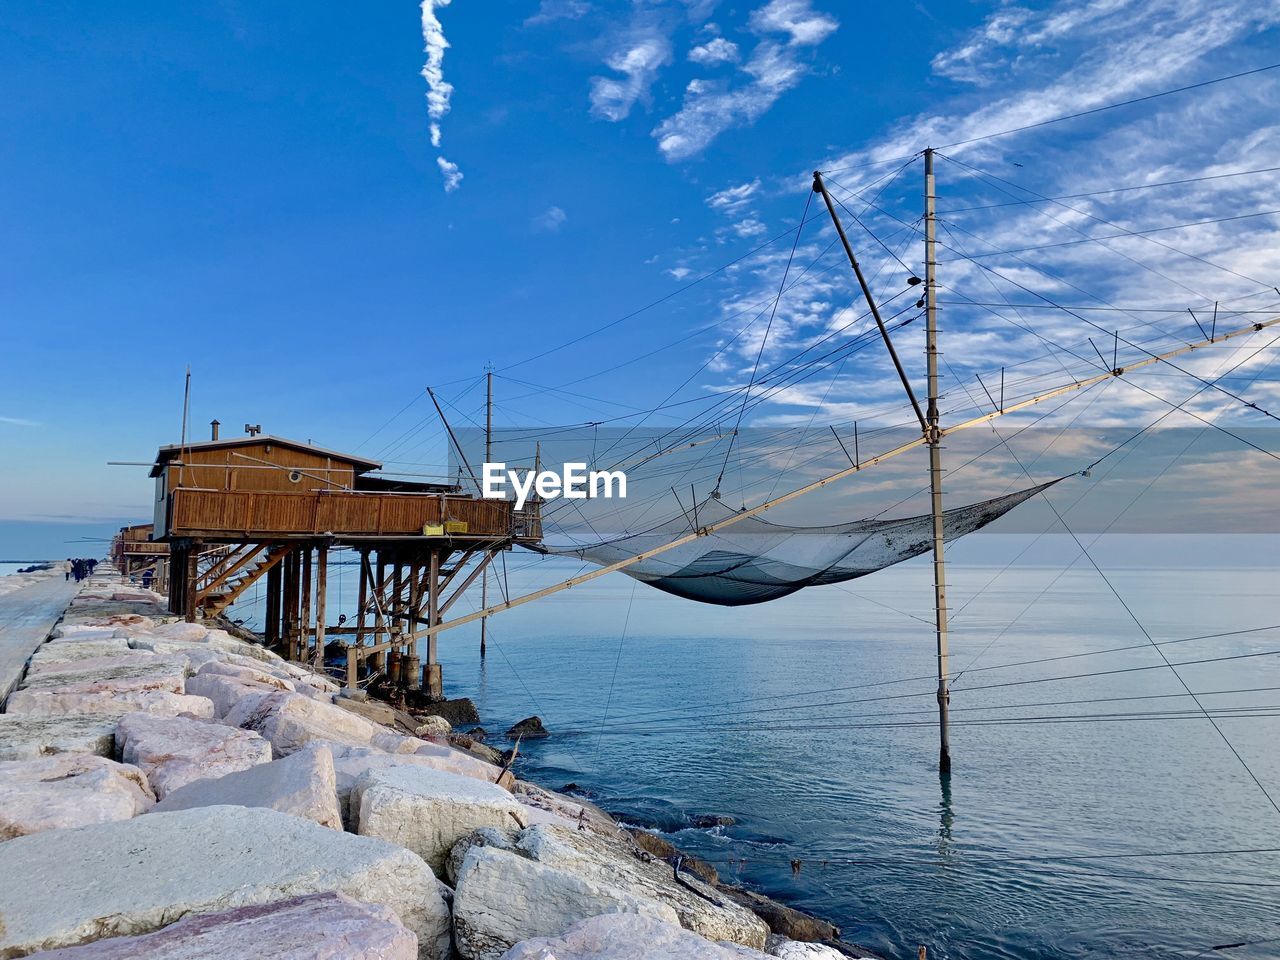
{"points": [[254, 190]]}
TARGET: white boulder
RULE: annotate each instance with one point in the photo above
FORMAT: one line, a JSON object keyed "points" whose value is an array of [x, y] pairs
{"points": [[503, 898], [544, 855], [428, 811], [291, 721], [68, 790], [627, 937], [66, 650], [301, 784], [107, 702], [322, 926], [351, 764], [434, 727], [174, 751], [24, 737], [135, 876]]}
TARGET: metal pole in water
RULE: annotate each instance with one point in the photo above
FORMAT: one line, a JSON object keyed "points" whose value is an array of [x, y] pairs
{"points": [[933, 437]]}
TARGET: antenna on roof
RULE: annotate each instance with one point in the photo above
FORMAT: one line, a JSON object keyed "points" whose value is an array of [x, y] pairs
{"points": [[253, 429]]}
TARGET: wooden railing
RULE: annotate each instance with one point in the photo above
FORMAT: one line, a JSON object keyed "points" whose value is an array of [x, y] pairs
{"points": [[246, 515], [148, 547]]}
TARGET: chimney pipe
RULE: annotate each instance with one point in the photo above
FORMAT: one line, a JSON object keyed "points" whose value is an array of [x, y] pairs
{"points": [[214, 425]]}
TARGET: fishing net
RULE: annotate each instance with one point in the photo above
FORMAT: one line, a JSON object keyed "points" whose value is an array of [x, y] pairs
{"points": [[753, 560]]}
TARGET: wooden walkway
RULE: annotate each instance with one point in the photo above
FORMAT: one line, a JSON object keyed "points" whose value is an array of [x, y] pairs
{"points": [[26, 617]]}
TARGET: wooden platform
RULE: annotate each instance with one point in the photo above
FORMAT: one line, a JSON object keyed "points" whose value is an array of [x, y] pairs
{"points": [[223, 515]]}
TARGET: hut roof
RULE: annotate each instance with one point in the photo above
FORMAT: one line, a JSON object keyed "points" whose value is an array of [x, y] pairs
{"points": [[174, 450]]}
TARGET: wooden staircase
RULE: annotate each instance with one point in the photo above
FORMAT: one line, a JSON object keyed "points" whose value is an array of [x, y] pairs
{"points": [[230, 576]]}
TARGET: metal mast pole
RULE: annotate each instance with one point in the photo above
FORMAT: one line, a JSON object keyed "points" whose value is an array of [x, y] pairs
{"points": [[488, 458], [933, 437]]}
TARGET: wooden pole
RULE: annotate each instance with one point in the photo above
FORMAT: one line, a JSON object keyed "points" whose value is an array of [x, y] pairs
{"points": [[189, 582], [934, 437], [820, 187], [304, 634], [362, 599], [322, 587], [434, 682], [274, 578]]}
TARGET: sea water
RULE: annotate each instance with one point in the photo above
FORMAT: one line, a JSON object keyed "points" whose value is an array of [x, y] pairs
{"points": [[811, 722]]}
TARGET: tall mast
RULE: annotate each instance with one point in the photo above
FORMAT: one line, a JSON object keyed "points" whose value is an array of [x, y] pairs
{"points": [[488, 458], [933, 437]]}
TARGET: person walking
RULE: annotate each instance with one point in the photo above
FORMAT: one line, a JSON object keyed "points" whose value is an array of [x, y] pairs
{"points": [[66, 569]]}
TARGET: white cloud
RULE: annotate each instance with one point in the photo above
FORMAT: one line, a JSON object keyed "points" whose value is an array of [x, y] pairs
{"points": [[452, 175], [19, 422], [733, 200], [750, 227], [550, 220], [639, 56], [439, 90], [715, 51], [795, 18], [551, 10], [712, 106], [679, 273]]}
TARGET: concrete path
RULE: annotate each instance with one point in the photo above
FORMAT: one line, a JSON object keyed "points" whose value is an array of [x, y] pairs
{"points": [[26, 617]]}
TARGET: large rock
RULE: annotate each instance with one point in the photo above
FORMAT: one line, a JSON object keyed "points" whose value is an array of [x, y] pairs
{"points": [[503, 898], [56, 702], [623, 937], [783, 920], [249, 671], [174, 751], [433, 727], [351, 764], [68, 790], [23, 737], [61, 651], [43, 670], [786, 949], [428, 811], [136, 671], [323, 926], [530, 728], [547, 806], [540, 857], [290, 721], [301, 784], [135, 876], [224, 691]]}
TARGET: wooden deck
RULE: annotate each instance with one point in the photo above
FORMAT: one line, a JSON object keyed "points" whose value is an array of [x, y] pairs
{"points": [[349, 515]]}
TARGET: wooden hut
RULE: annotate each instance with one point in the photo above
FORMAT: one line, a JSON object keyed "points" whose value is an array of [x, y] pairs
{"points": [[234, 511], [135, 551]]}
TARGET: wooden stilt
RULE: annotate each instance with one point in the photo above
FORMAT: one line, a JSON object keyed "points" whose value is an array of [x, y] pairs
{"points": [[189, 582], [304, 632], [362, 600], [275, 577], [432, 681], [322, 587]]}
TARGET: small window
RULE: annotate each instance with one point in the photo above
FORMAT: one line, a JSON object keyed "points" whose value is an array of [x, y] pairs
{"points": [[295, 476]]}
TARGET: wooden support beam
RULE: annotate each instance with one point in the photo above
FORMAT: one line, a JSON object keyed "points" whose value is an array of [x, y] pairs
{"points": [[304, 635], [322, 587], [189, 602]]}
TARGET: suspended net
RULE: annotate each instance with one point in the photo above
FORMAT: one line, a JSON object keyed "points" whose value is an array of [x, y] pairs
{"points": [[753, 560]]}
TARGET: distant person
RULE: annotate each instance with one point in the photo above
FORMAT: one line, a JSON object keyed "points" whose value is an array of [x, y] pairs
{"points": [[66, 569], [147, 574], [93, 565]]}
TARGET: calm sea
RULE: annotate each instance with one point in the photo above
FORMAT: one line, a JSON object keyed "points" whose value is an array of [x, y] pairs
{"points": [[809, 721]]}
